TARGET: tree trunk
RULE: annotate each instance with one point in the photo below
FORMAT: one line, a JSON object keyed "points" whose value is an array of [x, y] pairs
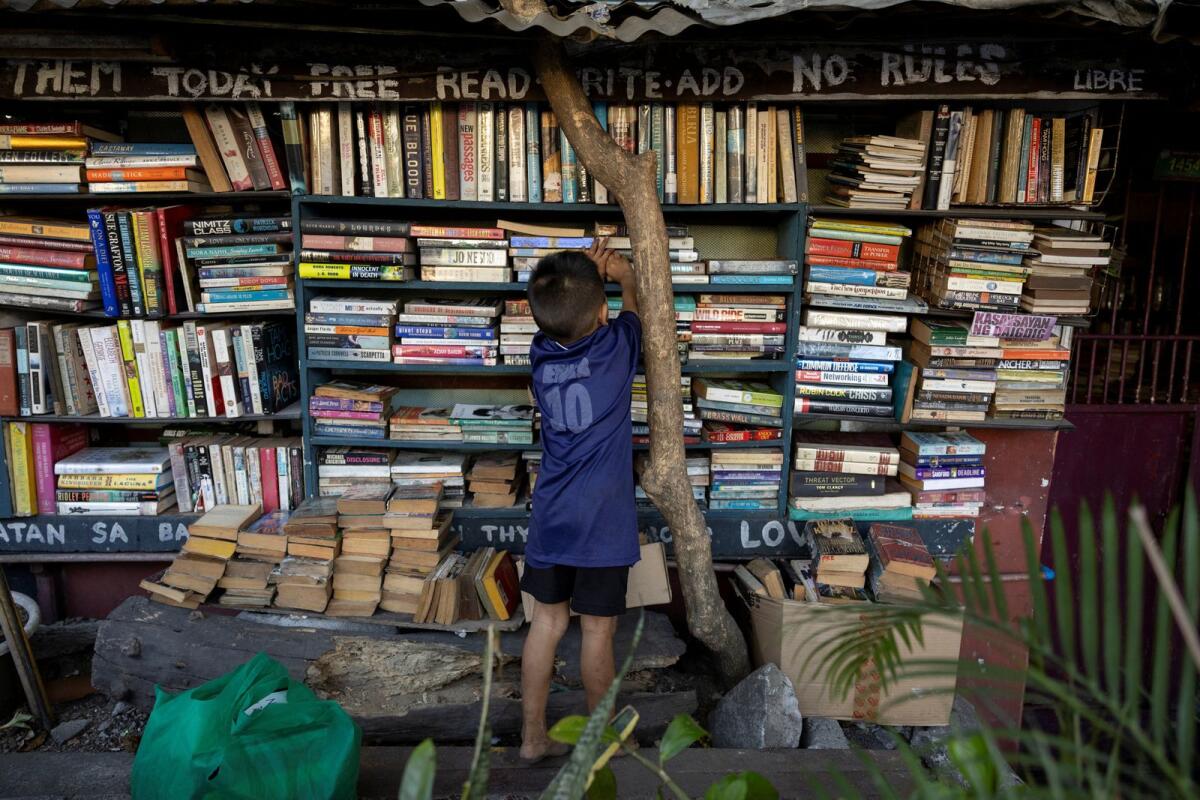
{"points": [[631, 180]]}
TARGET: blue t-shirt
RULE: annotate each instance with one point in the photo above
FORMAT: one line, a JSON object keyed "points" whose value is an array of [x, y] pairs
{"points": [[583, 504]]}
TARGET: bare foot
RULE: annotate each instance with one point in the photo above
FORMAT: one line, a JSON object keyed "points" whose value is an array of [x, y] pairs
{"points": [[533, 752]]}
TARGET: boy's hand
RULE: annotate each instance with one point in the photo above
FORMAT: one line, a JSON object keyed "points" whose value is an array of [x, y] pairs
{"points": [[612, 266]]}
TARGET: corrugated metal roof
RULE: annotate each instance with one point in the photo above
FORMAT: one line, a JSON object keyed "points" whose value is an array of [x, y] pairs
{"points": [[46, 5]]}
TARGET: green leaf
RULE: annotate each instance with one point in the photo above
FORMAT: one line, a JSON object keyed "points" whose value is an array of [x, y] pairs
{"points": [[417, 783], [568, 729], [1185, 735], [742, 786], [1064, 592], [604, 785], [974, 760], [1087, 604], [1160, 675], [1110, 553], [681, 734]]}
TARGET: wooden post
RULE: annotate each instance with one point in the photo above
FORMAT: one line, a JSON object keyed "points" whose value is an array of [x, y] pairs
{"points": [[22, 656]]}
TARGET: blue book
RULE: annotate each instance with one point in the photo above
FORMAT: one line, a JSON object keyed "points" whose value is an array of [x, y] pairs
{"points": [[564, 242], [570, 169], [533, 152], [20, 336], [141, 149], [437, 332], [824, 365], [742, 505], [104, 267], [955, 460], [239, 362], [39, 188], [246, 297], [354, 431], [233, 251], [859, 514], [985, 256], [818, 273], [364, 320], [132, 271], [781, 280], [1023, 159]]}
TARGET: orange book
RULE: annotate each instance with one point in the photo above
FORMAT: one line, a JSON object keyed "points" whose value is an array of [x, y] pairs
{"points": [[143, 174], [1035, 354], [687, 152]]}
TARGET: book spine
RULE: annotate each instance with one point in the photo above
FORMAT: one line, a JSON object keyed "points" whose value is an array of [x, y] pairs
{"points": [[468, 116], [378, 153], [437, 158], [707, 188], [133, 381], [485, 152], [518, 177], [688, 153], [533, 153], [552, 178], [500, 152], [227, 145], [366, 175], [248, 145], [104, 266], [293, 147], [570, 170], [936, 157], [125, 239], [1058, 132]]}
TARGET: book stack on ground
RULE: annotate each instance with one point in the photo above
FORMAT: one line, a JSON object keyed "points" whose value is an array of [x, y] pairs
{"points": [[957, 371], [373, 314], [303, 580], [412, 468], [736, 402], [46, 157], [47, 264], [1061, 265], [1006, 156], [757, 335], [875, 172], [33, 448], [745, 479], [468, 255], [839, 559], [420, 538], [973, 264], [944, 472], [495, 480], [261, 545], [1031, 378], [856, 259], [517, 329], [124, 167], [211, 543], [640, 410], [354, 410], [455, 331], [846, 475], [900, 564], [339, 468], [366, 546], [360, 250], [494, 424], [109, 472]]}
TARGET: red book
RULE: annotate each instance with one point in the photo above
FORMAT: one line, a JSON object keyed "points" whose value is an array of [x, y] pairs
{"points": [[438, 351], [720, 432], [901, 551], [950, 497], [1031, 172], [65, 259], [270, 479], [51, 443], [266, 149], [739, 327], [46, 244], [8, 373], [855, 263], [843, 248], [373, 244], [450, 148], [443, 232]]}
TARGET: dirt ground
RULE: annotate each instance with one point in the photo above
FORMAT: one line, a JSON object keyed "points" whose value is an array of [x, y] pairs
{"points": [[112, 727]]}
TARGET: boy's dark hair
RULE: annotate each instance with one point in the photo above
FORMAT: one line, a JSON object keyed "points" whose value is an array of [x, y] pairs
{"points": [[565, 294]]}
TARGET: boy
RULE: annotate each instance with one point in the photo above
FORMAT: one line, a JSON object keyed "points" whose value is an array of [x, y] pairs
{"points": [[583, 525]]}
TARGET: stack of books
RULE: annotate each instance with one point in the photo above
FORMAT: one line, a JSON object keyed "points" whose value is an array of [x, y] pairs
{"points": [[742, 345], [47, 264], [495, 480], [1005, 156], [357, 312], [360, 250], [354, 338], [640, 409], [494, 424], [699, 472], [973, 264], [1061, 264], [339, 468], [459, 331], [745, 479], [957, 371], [229, 468], [412, 468], [852, 258], [748, 270], [366, 546], [533, 460], [1031, 379], [424, 424], [421, 539], [517, 329], [529, 242], [111, 168], [686, 264], [303, 580], [875, 172], [261, 545], [211, 543], [944, 472], [356, 410], [839, 558], [835, 382], [46, 157], [746, 403], [107, 474], [846, 475], [900, 564], [475, 256], [304, 584]]}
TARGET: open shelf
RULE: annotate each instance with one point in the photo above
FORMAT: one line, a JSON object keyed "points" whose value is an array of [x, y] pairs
{"points": [[351, 441], [139, 198], [514, 286], [488, 208], [691, 368], [883, 424], [292, 412], [978, 212]]}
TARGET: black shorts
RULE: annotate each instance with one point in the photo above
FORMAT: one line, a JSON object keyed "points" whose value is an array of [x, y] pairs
{"points": [[596, 591]]}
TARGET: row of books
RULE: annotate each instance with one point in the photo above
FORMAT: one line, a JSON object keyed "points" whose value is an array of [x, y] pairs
{"points": [[230, 149], [142, 369], [516, 152], [212, 469]]}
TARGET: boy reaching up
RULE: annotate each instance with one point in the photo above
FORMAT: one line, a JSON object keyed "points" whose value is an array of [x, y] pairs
{"points": [[583, 524]]}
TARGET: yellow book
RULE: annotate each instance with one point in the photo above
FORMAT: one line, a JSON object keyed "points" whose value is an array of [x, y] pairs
{"points": [[136, 408], [143, 255], [19, 141], [20, 459], [217, 548], [1093, 165], [49, 228], [343, 271], [126, 481], [436, 121]]}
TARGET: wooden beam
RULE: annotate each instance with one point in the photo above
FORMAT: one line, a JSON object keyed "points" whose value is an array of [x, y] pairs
{"points": [[22, 656]]}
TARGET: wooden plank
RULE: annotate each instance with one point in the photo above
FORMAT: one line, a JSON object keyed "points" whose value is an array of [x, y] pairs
{"points": [[22, 656], [403, 621]]}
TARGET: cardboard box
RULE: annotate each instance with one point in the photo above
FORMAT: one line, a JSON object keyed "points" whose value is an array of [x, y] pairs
{"points": [[786, 632], [649, 581]]}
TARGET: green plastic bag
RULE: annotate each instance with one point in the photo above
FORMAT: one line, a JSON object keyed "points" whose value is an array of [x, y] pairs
{"points": [[253, 733]]}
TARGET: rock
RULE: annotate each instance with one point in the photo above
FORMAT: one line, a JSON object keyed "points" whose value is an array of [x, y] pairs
{"points": [[105, 725], [822, 733], [932, 745], [66, 731], [758, 713], [120, 708]]}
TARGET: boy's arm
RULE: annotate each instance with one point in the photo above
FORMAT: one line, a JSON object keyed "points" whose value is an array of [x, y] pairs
{"points": [[615, 267]]}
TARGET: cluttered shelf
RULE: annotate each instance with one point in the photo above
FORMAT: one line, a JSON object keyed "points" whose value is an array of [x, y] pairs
{"points": [[97, 313], [484, 447], [707, 367], [111, 198], [977, 212], [892, 426], [951, 313], [292, 412], [513, 286], [489, 207]]}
